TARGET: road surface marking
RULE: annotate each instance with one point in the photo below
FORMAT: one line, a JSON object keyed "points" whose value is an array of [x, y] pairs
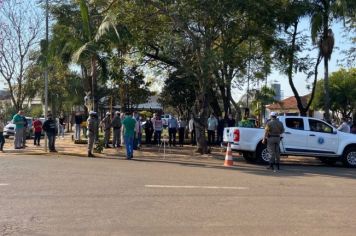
{"points": [[3, 184], [192, 187]]}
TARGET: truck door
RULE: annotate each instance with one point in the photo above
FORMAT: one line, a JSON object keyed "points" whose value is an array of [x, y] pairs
{"points": [[294, 137], [321, 139]]}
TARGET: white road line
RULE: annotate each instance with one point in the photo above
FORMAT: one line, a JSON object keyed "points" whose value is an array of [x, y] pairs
{"points": [[3, 184], [195, 187]]}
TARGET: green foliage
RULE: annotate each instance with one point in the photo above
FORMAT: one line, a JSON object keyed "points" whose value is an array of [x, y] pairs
{"points": [[178, 93], [342, 92], [99, 146], [133, 88], [36, 111], [145, 114], [7, 110], [262, 97]]}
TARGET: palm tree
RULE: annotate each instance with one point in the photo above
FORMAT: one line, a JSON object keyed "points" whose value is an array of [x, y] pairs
{"points": [[89, 51], [323, 12]]}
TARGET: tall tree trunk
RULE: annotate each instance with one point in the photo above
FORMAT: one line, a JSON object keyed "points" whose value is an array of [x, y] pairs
{"points": [[326, 90], [94, 84], [200, 115]]}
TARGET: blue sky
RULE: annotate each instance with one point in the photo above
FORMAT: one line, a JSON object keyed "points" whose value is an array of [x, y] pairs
{"points": [[341, 43]]}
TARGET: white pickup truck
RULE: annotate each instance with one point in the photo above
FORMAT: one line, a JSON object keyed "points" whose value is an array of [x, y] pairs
{"points": [[303, 136]]}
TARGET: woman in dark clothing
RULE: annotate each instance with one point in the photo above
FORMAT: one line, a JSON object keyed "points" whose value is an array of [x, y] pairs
{"points": [[148, 131]]}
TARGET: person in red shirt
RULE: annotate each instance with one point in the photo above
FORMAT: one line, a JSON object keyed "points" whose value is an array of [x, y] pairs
{"points": [[37, 129]]}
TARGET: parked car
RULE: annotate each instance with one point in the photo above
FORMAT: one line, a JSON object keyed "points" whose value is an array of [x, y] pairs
{"points": [[9, 129], [303, 136]]}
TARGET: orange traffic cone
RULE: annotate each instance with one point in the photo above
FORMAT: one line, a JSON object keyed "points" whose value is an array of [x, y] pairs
{"points": [[228, 158]]}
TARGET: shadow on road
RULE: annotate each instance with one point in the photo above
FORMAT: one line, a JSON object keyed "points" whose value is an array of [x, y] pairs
{"points": [[287, 169]]}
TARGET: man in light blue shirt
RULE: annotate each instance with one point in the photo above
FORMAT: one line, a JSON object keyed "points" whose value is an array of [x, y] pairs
{"points": [[212, 126], [172, 130]]}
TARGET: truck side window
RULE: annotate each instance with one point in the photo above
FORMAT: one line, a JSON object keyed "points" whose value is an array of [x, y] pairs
{"points": [[318, 126], [295, 123]]}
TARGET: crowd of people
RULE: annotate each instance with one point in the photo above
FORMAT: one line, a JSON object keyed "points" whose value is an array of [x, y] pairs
{"points": [[128, 129]]}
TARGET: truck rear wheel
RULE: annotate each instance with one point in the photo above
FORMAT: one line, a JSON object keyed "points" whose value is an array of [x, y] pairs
{"points": [[349, 157], [262, 154]]}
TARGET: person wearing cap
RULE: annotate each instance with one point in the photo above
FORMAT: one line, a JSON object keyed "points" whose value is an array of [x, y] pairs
{"points": [[50, 127], [274, 129], [106, 125], [92, 125], [116, 125]]}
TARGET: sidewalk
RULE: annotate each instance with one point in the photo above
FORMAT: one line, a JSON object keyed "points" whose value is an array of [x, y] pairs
{"points": [[66, 146]]}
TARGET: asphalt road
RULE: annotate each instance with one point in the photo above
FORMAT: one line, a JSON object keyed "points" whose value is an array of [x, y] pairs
{"points": [[48, 195]]}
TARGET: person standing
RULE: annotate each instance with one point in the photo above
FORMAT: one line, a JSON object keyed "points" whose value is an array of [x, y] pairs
{"points": [[25, 131], [148, 131], [344, 127], [220, 130], [182, 124], [116, 125], [122, 117], [2, 139], [50, 127], [274, 129], [92, 125], [230, 121], [106, 125], [158, 127], [61, 126], [212, 126], [129, 125], [191, 127], [138, 131], [78, 121], [19, 129], [37, 129], [172, 130]]}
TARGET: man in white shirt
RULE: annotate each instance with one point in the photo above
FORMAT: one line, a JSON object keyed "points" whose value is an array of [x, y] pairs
{"points": [[191, 127], [344, 127]]}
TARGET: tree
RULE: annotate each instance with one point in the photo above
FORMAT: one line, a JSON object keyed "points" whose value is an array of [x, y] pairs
{"points": [[323, 12], [19, 35], [342, 92], [178, 94], [134, 90], [292, 44], [263, 97], [186, 36], [89, 50]]}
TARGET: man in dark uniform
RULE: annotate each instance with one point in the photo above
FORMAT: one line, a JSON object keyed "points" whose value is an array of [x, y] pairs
{"points": [[106, 125], [274, 129]]}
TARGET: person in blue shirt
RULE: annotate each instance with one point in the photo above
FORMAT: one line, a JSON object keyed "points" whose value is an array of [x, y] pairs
{"points": [[172, 130]]}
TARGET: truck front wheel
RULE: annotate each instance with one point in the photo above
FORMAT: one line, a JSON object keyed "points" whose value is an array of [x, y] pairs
{"points": [[262, 154], [349, 157]]}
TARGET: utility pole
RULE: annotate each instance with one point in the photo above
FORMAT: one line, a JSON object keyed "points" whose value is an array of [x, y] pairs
{"points": [[46, 73]]}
